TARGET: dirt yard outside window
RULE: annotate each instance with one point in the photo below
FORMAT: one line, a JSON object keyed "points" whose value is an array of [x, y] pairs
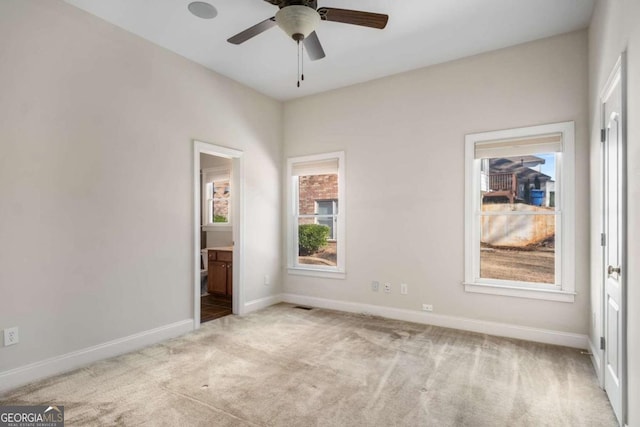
{"points": [[518, 264]]}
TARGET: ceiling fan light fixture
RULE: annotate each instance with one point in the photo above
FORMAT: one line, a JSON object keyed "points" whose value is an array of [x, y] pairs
{"points": [[297, 21]]}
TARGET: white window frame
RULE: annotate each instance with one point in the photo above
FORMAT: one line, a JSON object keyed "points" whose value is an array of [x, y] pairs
{"points": [[564, 287], [333, 272], [211, 175]]}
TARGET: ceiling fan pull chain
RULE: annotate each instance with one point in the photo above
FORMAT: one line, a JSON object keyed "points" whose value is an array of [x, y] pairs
{"points": [[302, 61], [298, 49]]}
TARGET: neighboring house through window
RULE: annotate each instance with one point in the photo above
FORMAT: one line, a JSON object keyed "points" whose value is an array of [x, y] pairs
{"points": [[316, 214], [326, 214], [519, 213]]}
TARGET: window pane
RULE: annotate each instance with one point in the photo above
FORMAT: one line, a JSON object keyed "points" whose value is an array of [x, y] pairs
{"points": [[314, 247], [318, 198], [518, 248], [221, 201], [529, 180], [220, 210]]}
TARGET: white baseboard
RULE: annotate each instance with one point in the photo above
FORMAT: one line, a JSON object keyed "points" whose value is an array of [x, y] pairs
{"points": [[485, 327], [76, 359], [259, 304]]}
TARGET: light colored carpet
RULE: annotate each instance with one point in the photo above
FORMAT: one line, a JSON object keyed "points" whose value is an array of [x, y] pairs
{"points": [[285, 366]]}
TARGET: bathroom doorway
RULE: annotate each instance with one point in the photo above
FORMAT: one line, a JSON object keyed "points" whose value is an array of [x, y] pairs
{"points": [[217, 235]]}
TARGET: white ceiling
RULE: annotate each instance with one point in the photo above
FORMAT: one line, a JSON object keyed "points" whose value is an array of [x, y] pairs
{"points": [[419, 33]]}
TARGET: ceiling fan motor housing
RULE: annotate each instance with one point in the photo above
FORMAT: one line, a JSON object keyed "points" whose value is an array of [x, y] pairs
{"points": [[297, 21]]}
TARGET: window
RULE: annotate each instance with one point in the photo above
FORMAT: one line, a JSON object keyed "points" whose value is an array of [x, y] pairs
{"points": [[316, 215], [216, 198], [519, 212]]}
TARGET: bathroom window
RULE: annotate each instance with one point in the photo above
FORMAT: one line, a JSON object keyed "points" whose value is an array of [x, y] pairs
{"points": [[216, 197]]}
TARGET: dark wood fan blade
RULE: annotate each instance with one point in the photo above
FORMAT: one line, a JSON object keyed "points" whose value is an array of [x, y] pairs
{"points": [[250, 32], [313, 46], [355, 17]]}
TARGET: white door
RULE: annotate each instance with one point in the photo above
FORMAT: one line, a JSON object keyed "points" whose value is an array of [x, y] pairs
{"points": [[614, 241]]}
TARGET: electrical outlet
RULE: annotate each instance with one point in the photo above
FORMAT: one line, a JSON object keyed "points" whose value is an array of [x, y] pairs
{"points": [[387, 287], [427, 307], [11, 336], [404, 289], [267, 280], [375, 286]]}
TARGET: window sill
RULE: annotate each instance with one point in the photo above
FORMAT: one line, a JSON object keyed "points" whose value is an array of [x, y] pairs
{"points": [[313, 272], [217, 227], [520, 292]]}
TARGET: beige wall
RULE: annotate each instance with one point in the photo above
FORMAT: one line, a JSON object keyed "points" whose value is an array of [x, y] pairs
{"points": [[96, 179], [404, 141], [615, 27]]}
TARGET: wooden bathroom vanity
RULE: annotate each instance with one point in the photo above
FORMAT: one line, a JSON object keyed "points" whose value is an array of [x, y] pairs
{"points": [[220, 271]]}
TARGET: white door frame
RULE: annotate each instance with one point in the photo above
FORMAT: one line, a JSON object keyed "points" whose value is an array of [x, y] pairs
{"points": [[237, 221], [618, 75]]}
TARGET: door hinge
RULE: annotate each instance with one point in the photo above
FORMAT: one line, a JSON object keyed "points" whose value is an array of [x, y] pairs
{"points": [[602, 343], [603, 135], [603, 239]]}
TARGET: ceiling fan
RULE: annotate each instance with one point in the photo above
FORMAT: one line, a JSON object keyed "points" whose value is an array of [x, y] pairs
{"points": [[299, 19]]}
